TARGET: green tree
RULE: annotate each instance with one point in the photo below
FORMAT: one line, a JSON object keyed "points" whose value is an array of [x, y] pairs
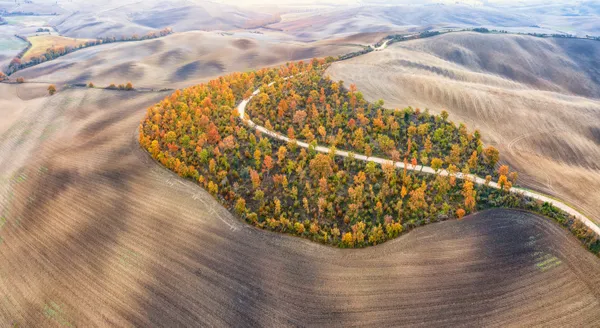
{"points": [[240, 206], [436, 164]]}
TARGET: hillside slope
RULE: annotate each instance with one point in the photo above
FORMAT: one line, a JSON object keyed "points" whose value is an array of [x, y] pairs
{"points": [[525, 94], [108, 18], [358, 19], [141, 17], [561, 65], [94, 233], [178, 60]]}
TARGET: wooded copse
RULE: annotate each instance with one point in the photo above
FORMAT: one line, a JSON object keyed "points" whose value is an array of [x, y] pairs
{"points": [[197, 133], [311, 107]]}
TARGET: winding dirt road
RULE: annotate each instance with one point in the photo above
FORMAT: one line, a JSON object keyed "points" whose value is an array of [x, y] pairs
{"points": [[241, 108]]}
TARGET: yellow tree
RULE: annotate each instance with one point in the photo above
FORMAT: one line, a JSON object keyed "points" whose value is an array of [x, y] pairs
{"points": [[444, 115], [268, 163], [322, 132], [454, 157], [321, 166], [417, 198], [488, 179], [436, 164], [473, 160], [281, 155], [502, 182], [255, 177], [347, 239], [491, 155], [240, 205], [257, 158], [323, 186], [503, 170], [403, 192], [469, 195]]}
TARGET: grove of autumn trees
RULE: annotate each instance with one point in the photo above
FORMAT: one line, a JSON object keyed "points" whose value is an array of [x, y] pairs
{"points": [[112, 86], [310, 107], [197, 133]]}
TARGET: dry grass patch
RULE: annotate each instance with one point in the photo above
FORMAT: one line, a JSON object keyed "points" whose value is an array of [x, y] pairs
{"points": [[41, 43]]}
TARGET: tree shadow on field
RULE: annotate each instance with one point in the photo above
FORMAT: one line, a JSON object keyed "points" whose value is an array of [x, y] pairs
{"points": [[70, 217], [212, 275], [499, 254], [71, 223], [197, 69]]}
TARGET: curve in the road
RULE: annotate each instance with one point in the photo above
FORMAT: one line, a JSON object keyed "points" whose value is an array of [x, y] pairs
{"points": [[241, 108]]}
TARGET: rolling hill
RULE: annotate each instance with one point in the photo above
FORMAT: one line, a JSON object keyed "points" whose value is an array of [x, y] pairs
{"points": [[85, 19], [535, 99], [144, 16], [178, 60], [394, 18], [95, 233]]}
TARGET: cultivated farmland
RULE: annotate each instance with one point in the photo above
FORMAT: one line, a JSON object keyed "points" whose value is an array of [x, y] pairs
{"points": [[95, 233]]}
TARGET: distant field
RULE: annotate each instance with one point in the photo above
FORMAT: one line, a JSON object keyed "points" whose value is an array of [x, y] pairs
{"points": [[8, 43], [178, 60], [43, 42], [28, 21]]}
